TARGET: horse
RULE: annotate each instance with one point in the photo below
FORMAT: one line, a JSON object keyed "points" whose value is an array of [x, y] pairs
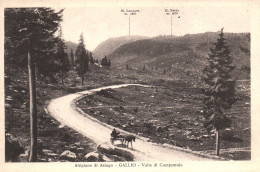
{"points": [[127, 139]]}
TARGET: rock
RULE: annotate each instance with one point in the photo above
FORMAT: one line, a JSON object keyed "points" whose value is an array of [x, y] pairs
{"points": [[7, 105], [105, 148], [46, 151], [9, 98], [23, 106], [246, 129], [77, 143], [106, 159], [205, 136], [111, 150], [92, 157], [117, 158], [73, 148], [68, 155], [52, 154], [80, 149], [159, 129]]}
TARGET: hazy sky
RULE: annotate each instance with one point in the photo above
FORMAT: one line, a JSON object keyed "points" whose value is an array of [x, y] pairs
{"points": [[99, 24]]}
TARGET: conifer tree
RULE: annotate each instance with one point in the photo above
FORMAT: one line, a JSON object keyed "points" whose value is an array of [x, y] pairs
{"points": [[104, 61], [109, 63], [91, 60], [30, 39], [71, 58], [62, 57], [81, 59], [219, 87]]}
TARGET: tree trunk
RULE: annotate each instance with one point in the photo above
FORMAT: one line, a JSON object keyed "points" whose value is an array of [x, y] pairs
{"points": [[217, 142], [82, 80], [33, 110], [62, 82]]}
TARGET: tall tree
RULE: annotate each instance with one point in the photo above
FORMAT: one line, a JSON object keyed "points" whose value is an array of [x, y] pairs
{"points": [[71, 58], [62, 57], [104, 61], [109, 63], [81, 59], [29, 39], [91, 59], [219, 87]]}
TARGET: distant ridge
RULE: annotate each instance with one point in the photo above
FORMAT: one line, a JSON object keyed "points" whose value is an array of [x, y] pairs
{"points": [[111, 44], [182, 57]]}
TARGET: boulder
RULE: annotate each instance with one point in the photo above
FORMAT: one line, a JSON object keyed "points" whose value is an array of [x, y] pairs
{"points": [[68, 155], [106, 159], [108, 149], [159, 129], [92, 157]]}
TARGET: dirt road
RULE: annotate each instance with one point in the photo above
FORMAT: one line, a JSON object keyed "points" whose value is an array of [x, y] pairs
{"points": [[64, 109]]}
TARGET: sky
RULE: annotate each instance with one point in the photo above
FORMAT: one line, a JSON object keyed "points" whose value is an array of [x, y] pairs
{"points": [[98, 24]]}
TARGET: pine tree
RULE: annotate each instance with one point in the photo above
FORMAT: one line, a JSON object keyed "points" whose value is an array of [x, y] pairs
{"points": [[71, 58], [91, 60], [29, 39], [104, 61], [63, 59], [81, 59], [109, 63], [219, 89]]}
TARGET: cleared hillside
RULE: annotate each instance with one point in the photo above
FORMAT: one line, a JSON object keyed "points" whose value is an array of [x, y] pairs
{"points": [[182, 57]]}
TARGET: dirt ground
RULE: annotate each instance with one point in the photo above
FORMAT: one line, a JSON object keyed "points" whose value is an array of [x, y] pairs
{"points": [[171, 114]]}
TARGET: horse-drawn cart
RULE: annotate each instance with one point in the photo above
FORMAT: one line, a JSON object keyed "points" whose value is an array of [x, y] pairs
{"points": [[113, 139]]}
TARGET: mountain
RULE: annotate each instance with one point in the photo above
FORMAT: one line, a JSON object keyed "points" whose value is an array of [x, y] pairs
{"points": [[182, 57], [108, 46]]}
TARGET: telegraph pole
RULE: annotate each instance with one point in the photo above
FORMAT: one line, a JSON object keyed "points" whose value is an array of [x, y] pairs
{"points": [[171, 12], [129, 13], [129, 25]]}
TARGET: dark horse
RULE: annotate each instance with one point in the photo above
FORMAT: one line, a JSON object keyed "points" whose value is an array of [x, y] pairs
{"points": [[127, 139]]}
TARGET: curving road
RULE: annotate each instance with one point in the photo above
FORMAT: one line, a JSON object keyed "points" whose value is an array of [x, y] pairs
{"points": [[66, 112]]}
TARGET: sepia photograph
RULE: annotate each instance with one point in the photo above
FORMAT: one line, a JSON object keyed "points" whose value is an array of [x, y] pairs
{"points": [[116, 85]]}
